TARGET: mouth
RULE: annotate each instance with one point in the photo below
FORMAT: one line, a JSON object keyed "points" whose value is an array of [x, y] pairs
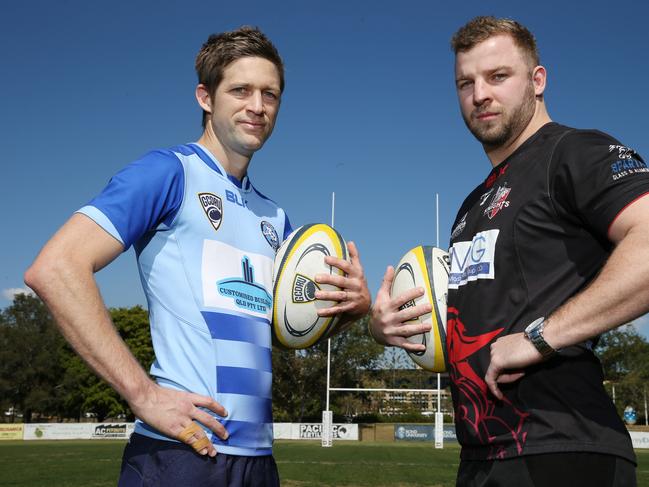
{"points": [[486, 116], [253, 126]]}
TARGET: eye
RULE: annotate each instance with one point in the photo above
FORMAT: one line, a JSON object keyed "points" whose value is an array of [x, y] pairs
{"points": [[239, 91], [271, 96], [461, 85], [498, 77]]}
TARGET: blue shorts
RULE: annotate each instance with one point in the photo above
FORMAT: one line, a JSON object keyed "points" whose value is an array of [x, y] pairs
{"points": [[148, 462]]}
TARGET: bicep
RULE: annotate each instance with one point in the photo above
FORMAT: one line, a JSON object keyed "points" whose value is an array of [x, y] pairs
{"points": [[633, 217], [81, 243]]}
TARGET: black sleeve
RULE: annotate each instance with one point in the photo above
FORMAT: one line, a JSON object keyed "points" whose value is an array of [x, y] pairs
{"points": [[593, 177]]}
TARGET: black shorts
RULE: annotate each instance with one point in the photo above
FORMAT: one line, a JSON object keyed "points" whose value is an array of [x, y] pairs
{"points": [[148, 462], [571, 469]]}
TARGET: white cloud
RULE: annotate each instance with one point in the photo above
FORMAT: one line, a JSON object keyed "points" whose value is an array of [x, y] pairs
{"points": [[10, 293]]}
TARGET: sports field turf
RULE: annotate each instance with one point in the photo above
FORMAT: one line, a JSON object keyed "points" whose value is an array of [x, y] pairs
{"points": [[301, 464]]}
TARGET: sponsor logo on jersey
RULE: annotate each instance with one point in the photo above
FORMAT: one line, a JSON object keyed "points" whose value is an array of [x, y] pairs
{"points": [[246, 293], [485, 197], [270, 234], [459, 227], [473, 260], [498, 202], [628, 162], [236, 199], [236, 280], [213, 207]]}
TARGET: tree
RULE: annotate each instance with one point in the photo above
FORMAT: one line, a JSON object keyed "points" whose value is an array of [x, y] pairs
{"points": [[30, 366], [624, 354], [299, 377], [85, 391]]}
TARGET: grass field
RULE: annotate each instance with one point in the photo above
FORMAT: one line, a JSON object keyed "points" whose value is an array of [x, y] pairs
{"points": [[301, 464]]}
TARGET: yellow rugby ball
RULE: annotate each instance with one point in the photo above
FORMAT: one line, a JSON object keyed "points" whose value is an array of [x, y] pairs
{"points": [[296, 323], [426, 267]]}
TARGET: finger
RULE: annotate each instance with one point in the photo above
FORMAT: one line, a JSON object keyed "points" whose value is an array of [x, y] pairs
{"points": [[194, 436], [413, 312], [409, 295], [341, 264], [338, 281], [211, 422], [354, 256], [335, 310], [208, 403], [490, 379], [409, 346], [509, 377], [407, 331], [332, 295], [386, 283], [189, 432]]}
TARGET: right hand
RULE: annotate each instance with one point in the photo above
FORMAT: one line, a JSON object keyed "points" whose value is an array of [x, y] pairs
{"points": [[388, 323], [170, 412]]}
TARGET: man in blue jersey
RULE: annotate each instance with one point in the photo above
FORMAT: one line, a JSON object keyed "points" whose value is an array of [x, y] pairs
{"points": [[205, 239]]}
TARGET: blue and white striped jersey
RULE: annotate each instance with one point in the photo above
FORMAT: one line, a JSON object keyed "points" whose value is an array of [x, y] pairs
{"points": [[205, 244]]}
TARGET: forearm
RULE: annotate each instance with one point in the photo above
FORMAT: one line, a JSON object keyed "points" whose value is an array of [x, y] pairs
{"points": [[71, 294], [619, 294]]}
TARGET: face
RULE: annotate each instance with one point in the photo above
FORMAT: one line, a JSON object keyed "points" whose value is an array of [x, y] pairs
{"points": [[245, 104], [496, 91]]}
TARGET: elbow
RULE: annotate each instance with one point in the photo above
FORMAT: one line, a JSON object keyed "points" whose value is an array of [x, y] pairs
{"points": [[36, 276]]}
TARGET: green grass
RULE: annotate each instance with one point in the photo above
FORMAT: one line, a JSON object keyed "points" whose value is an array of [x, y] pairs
{"points": [[301, 464]]}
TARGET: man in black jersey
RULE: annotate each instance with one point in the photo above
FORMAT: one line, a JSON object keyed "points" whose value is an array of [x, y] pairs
{"points": [[547, 253]]}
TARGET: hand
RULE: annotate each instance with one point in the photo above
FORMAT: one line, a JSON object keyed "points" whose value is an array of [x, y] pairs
{"points": [[388, 323], [509, 355], [354, 298], [172, 412]]}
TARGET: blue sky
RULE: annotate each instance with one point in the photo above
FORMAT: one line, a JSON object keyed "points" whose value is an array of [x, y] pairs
{"points": [[369, 110]]}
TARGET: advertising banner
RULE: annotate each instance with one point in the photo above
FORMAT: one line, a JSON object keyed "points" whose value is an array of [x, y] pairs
{"points": [[640, 439], [414, 432], [58, 431], [112, 431], [11, 431], [313, 431]]}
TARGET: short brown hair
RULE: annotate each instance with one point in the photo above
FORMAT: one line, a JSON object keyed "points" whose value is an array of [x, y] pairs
{"points": [[222, 49], [480, 29]]}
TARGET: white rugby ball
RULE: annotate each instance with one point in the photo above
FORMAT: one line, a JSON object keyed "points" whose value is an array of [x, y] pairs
{"points": [[296, 323], [426, 267]]}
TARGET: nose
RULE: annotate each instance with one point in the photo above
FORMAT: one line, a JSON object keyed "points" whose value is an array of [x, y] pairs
{"points": [[256, 103], [481, 92]]}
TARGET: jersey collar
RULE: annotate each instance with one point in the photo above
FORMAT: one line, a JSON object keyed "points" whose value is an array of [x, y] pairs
{"points": [[211, 161]]}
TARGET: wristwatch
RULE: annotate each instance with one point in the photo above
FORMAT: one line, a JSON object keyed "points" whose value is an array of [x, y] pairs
{"points": [[534, 333]]}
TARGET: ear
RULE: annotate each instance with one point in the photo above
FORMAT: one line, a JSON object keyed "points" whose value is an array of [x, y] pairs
{"points": [[203, 98], [539, 76]]}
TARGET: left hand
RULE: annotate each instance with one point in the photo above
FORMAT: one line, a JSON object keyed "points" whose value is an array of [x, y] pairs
{"points": [[353, 300], [510, 354]]}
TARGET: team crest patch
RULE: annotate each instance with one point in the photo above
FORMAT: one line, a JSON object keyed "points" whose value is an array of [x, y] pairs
{"points": [[498, 202], [270, 234], [213, 207]]}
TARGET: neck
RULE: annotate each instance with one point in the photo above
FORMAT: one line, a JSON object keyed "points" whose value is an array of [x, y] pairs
{"points": [[235, 164], [498, 154]]}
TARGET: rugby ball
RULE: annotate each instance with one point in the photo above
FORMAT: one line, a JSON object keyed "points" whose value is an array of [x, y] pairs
{"points": [[426, 267], [296, 323]]}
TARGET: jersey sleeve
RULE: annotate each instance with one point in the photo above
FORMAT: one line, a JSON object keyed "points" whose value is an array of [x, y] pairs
{"points": [[593, 177], [287, 227], [140, 197]]}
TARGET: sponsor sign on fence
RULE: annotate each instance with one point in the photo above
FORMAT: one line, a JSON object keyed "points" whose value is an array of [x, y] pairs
{"points": [[58, 431], [313, 431], [640, 439], [414, 432], [11, 431], [112, 431]]}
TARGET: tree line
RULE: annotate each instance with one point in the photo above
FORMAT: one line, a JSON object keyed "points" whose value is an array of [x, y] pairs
{"points": [[41, 378]]}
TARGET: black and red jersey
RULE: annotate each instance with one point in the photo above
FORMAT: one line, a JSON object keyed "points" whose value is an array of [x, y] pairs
{"points": [[532, 235]]}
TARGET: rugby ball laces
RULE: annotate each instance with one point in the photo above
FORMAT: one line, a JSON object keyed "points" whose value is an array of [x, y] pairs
{"points": [[299, 259], [426, 267]]}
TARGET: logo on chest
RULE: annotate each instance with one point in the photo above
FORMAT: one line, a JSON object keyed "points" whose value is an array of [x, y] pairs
{"points": [[270, 234], [498, 202], [213, 208]]}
